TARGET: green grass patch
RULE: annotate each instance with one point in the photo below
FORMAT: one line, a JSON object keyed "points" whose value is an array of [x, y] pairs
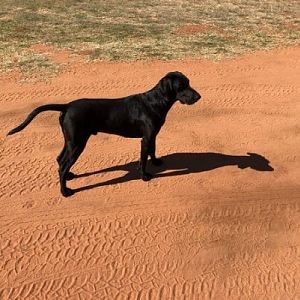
{"points": [[140, 29]]}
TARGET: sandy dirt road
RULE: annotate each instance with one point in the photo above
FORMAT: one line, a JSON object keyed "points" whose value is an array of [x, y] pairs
{"points": [[214, 223]]}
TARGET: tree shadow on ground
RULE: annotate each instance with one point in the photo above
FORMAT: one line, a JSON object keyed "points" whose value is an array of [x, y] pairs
{"points": [[181, 164]]}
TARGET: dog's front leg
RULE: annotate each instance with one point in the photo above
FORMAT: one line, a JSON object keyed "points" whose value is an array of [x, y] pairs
{"points": [[155, 161], [145, 147]]}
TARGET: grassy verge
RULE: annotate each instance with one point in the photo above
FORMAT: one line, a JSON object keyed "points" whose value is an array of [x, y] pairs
{"points": [[140, 29]]}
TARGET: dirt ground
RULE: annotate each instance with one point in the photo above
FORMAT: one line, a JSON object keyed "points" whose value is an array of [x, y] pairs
{"points": [[214, 223]]}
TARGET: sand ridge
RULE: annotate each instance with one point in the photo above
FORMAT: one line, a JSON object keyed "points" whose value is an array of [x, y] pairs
{"points": [[214, 223]]}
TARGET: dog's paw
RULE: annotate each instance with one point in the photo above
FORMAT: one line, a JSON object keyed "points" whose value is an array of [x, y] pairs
{"points": [[67, 192], [146, 176], [70, 176], [157, 162]]}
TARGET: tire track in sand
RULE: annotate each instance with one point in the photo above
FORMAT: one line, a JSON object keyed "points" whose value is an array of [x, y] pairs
{"points": [[106, 256], [198, 235]]}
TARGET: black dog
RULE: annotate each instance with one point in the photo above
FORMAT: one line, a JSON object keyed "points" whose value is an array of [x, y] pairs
{"points": [[137, 116]]}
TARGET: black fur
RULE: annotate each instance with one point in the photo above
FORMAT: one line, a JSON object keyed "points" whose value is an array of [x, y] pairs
{"points": [[136, 116]]}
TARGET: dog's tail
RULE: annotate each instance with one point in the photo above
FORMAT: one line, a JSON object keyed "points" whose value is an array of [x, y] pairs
{"points": [[35, 112]]}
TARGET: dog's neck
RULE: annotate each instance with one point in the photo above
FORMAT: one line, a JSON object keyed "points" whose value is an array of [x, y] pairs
{"points": [[162, 103]]}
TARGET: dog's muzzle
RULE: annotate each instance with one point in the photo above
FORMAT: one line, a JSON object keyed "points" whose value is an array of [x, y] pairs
{"points": [[197, 96], [190, 98]]}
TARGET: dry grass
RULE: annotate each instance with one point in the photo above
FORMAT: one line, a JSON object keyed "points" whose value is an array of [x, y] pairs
{"points": [[140, 29]]}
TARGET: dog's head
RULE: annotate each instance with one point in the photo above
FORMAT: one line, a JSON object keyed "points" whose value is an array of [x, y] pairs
{"points": [[176, 86]]}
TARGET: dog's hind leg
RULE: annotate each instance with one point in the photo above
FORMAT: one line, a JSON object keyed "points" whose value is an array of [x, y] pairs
{"points": [[75, 144], [73, 152], [59, 158], [61, 154]]}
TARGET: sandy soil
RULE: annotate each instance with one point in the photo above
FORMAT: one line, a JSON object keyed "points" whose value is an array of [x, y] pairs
{"points": [[214, 223]]}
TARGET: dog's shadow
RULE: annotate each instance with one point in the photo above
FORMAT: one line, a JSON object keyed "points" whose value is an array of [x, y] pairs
{"points": [[183, 163]]}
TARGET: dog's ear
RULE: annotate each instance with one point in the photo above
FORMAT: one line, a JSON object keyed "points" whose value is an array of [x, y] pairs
{"points": [[166, 87]]}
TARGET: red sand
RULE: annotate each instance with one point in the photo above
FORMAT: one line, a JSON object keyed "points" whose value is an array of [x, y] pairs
{"points": [[202, 228]]}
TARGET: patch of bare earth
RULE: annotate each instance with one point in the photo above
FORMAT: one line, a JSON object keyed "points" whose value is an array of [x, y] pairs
{"points": [[214, 223], [56, 55], [196, 28]]}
